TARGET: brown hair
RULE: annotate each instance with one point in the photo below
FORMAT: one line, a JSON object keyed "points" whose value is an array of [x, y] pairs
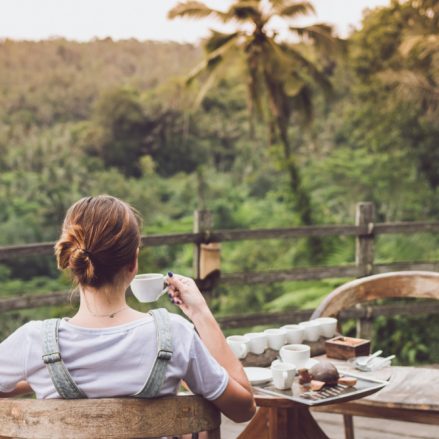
{"points": [[100, 236]]}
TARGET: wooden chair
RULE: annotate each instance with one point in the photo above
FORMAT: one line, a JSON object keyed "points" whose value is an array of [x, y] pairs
{"points": [[108, 418], [420, 284]]}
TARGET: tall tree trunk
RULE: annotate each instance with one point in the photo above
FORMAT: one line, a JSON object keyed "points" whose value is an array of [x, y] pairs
{"points": [[302, 198]]}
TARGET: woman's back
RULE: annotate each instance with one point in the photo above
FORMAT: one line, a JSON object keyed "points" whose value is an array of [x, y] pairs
{"points": [[113, 361]]}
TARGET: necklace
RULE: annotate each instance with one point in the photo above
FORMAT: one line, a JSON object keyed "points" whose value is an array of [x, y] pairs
{"points": [[111, 314]]}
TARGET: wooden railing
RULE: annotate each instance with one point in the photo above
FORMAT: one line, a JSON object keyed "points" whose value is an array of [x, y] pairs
{"points": [[207, 257]]}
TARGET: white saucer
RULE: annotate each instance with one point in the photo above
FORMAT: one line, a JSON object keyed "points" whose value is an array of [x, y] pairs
{"points": [[258, 375]]}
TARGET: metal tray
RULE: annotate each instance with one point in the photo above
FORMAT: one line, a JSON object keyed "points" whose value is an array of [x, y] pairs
{"points": [[328, 395]]}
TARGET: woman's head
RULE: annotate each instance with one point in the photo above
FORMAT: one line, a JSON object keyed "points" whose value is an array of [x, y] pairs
{"points": [[99, 239]]}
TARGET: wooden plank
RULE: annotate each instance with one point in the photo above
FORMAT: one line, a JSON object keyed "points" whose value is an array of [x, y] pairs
{"points": [[172, 239], [34, 301], [406, 266], [420, 307], [305, 273], [46, 248], [282, 233], [246, 321], [107, 418], [406, 227], [356, 408]]}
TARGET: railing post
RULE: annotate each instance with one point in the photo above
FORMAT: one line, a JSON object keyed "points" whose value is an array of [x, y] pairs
{"points": [[365, 217], [364, 255], [206, 256]]}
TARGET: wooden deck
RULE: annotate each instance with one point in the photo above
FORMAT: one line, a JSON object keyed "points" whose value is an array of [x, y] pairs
{"points": [[365, 428]]}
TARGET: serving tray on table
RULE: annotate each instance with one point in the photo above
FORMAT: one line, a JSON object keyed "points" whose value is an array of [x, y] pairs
{"points": [[327, 395]]}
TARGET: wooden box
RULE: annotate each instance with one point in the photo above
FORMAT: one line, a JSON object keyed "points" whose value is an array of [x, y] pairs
{"points": [[346, 347]]}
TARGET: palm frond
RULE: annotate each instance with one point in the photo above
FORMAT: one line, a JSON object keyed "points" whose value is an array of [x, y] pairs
{"points": [[207, 65], [290, 54], [412, 86], [245, 10], [321, 34], [292, 9], [212, 60], [194, 9], [425, 45], [218, 39], [210, 66]]}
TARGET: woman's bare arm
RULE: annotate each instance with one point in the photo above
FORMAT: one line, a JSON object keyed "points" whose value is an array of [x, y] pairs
{"points": [[237, 401], [23, 388]]}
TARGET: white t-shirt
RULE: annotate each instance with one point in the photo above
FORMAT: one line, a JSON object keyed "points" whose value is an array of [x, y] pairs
{"points": [[113, 361]]}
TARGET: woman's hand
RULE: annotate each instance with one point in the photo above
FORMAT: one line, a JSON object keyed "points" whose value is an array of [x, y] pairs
{"points": [[185, 294], [22, 388]]}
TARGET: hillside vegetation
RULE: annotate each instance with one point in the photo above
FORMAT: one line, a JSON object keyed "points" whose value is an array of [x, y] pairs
{"points": [[117, 117]]}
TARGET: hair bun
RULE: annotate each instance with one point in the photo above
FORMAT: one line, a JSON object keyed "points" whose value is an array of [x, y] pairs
{"points": [[70, 253], [81, 265]]}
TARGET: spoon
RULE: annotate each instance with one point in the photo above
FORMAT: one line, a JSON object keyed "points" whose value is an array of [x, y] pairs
{"points": [[380, 362], [383, 360], [364, 362]]}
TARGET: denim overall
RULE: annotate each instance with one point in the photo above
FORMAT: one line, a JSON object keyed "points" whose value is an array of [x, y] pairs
{"points": [[63, 381]]}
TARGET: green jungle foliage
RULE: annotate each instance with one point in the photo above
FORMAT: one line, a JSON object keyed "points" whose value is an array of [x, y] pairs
{"points": [[116, 117]]}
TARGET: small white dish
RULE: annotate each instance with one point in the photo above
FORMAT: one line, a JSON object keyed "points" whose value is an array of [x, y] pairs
{"points": [[374, 364], [258, 375]]}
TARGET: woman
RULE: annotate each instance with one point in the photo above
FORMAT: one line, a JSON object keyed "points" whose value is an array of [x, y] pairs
{"points": [[109, 349]]}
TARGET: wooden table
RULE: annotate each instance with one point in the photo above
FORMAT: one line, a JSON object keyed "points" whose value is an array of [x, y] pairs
{"points": [[411, 395]]}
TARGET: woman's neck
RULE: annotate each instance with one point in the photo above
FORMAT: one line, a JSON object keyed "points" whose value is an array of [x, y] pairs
{"points": [[103, 307]]}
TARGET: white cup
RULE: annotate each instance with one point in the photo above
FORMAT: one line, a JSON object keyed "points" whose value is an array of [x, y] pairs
{"points": [[328, 326], [257, 343], [276, 338], [311, 330], [239, 344], [297, 354], [294, 333], [148, 287], [283, 375]]}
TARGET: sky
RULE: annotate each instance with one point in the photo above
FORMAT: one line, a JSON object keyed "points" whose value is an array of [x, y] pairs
{"points": [[84, 20]]}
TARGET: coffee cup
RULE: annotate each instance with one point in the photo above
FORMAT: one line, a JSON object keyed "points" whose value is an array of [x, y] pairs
{"points": [[257, 343], [311, 330], [328, 326], [276, 338], [148, 287], [294, 333], [239, 344], [297, 354], [283, 375]]}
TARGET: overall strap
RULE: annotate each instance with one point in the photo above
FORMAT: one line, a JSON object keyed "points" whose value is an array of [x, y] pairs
{"points": [[60, 376], [164, 353]]}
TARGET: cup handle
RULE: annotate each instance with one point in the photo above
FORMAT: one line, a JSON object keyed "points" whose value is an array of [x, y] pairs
{"points": [[165, 289]]}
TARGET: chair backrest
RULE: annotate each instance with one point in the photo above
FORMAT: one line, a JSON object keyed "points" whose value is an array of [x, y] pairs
{"points": [[108, 418], [421, 284]]}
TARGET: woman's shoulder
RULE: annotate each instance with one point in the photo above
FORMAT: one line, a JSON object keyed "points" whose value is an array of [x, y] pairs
{"points": [[180, 322], [29, 329]]}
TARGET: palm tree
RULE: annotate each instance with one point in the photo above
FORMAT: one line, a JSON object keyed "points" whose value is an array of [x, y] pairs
{"points": [[417, 79], [280, 76]]}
